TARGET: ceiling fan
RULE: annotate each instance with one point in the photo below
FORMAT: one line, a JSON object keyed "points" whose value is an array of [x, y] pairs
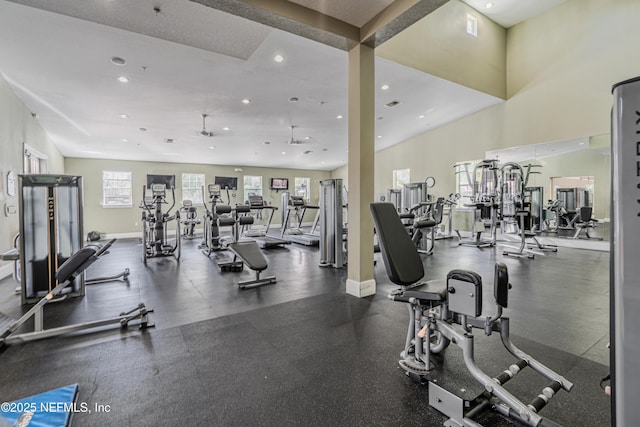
{"points": [[204, 131], [294, 141]]}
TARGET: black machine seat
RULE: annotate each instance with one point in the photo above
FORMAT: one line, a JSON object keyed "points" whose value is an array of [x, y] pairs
{"points": [[433, 290], [72, 265], [424, 223], [401, 260], [250, 253]]}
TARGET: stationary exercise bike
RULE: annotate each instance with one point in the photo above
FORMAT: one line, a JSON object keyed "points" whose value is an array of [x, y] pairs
{"points": [[190, 220], [440, 316], [211, 240], [155, 241]]}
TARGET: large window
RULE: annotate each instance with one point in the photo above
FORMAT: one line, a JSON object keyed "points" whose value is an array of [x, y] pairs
{"points": [[400, 177], [252, 186], [303, 188], [192, 184], [116, 189]]}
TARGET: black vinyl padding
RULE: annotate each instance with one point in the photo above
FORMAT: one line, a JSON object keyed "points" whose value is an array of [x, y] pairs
{"points": [[250, 253], [400, 256], [226, 221], [243, 208], [222, 209], [433, 290], [74, 262], [501, 285]]}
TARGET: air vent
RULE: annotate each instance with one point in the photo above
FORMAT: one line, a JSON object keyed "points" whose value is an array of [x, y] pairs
{"points": [[168, 140], [308, 152], [392, 104]]}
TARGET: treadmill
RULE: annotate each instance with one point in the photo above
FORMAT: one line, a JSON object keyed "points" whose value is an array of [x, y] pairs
{"points": [[261, 235], [295, 233]]}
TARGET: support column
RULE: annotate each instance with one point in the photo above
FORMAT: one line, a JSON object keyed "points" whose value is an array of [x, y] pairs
{"points": [[360, 279]]}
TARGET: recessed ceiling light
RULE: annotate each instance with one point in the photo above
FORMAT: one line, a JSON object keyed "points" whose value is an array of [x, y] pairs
{"points": [[582, 143], [118, 61], [142, 129], [124, 116], [246, 101], [339, 116], [421, 116], [226, 128], [307, 138], [123, 79], [294, 99], [384, 87], [278, 58], [489, 5], [325, 149], [379, 136], [124, 140], [284, 152], [211, 147], [266, 142], [392, 104]]}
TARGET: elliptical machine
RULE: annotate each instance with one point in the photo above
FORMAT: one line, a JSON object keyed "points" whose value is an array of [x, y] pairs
{"points": [[190, 220], [154, 222]]}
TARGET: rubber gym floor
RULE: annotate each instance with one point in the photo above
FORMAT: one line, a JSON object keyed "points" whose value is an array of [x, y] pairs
{"points": [[302, 351]]}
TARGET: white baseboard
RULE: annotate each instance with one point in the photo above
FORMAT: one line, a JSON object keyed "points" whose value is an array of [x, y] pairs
{"points": [[361, 289]]}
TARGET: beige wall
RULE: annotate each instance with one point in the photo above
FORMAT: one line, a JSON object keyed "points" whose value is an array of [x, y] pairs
{"points": [[554, 94], [439, 45], [17, 127], [127, 220]]}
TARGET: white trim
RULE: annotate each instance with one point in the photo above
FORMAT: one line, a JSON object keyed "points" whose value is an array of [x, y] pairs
{"points": [[361, 289], [32, 151]]}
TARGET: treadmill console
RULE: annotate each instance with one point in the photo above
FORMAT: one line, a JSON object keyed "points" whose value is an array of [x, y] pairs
{"points": [[256, 202], [296, 200]]}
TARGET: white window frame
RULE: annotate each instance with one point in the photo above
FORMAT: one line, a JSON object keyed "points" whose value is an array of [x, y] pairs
{"points": [[34, 161], [193, 192], [126, 176], [298, 189], [398, 180], [246, 188]]}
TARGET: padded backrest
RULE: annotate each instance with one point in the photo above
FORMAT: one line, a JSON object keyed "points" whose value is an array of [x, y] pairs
{"points": [[585, 213], [501, 285], [401, 259], [75, 264]]}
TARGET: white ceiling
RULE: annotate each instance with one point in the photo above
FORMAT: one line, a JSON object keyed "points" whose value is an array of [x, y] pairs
{"points": [[189, 59], [354, 12], [511, 12]]}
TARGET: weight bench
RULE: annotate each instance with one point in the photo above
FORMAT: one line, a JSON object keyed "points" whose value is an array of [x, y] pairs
{"points": [[441, 315], [249, 252], [66, 274]]}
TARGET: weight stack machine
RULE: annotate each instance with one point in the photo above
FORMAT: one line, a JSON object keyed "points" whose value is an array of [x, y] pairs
{"points": [[50, 232], [625, 243]]}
